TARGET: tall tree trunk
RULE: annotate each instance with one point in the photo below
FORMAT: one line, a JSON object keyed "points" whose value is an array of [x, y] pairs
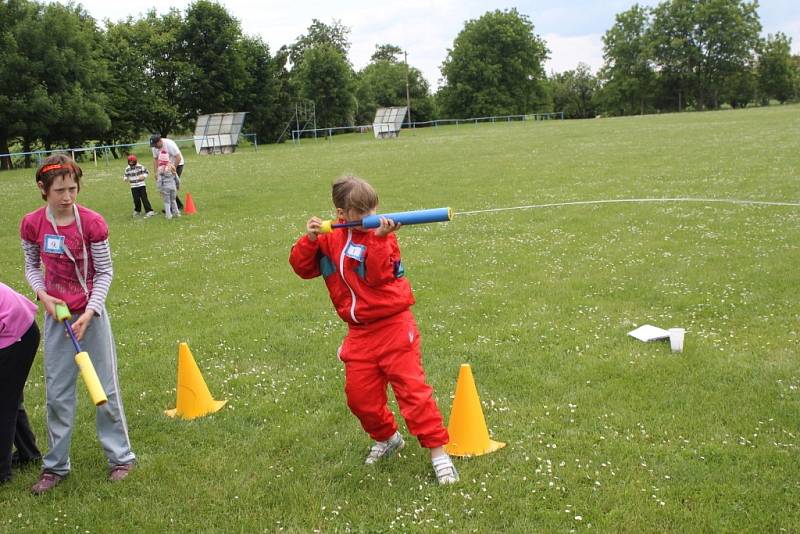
{"points": [[5, 161]]}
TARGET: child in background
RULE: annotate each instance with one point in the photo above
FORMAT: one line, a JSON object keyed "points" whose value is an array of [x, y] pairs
{"points": [[136, 175], [158, 143], [71, 241], [366, 282], [168, 183], [19, 340]]}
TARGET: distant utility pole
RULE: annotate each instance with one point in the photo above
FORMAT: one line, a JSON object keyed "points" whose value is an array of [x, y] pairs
{"points": [[408, 94]]}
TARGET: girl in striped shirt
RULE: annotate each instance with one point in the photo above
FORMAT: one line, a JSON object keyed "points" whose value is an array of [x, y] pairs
{"points": [[71, 243]]}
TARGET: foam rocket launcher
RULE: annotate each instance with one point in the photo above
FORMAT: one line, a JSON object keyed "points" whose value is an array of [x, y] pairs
{"points": [[402, 217], [82, 359]]}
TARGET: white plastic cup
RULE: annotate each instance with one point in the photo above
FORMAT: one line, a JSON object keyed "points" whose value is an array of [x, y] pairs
{"points": [[676, 336]]}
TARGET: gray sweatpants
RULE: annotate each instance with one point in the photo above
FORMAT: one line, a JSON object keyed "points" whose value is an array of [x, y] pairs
{"points": [[170, 203], [61, 375]]}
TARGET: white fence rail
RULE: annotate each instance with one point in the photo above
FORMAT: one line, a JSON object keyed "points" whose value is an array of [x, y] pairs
{"points": [[364, 128]]}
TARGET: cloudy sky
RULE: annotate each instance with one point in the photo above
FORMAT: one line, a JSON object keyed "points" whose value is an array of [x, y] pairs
{"points": [[572, 29]]}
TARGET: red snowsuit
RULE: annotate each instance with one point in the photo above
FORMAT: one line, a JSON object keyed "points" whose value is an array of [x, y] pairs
{"points": [[365, 280]]}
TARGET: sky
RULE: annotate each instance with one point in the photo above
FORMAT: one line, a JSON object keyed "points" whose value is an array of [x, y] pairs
{"points": [[426, 29]]}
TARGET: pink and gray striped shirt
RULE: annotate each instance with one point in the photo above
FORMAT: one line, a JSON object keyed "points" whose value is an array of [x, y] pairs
{"points": [[60, 279]]}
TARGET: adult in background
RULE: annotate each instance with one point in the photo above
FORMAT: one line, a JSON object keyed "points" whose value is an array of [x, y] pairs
{"points": [[175, 158], [19, 340]]}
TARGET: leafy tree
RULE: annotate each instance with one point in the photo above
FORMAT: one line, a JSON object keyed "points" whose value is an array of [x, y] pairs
{"points": [[675, 47], [729, 34], [261, 92], [74, 71], [796, 77], [335, 35], [58, 65], [20, 90], [30, 107], [776, 72], [382, 83], [628, 72], [165, 70], [386, 52], [216, 71], [423, 107], [329, 85], [127, 83], [740, 88], [284, 93], [325, 76], [494, 68], [573, 92], [701, 44], [379, 84]]}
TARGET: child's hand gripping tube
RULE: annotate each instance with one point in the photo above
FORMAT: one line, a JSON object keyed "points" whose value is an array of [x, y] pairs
{"points": [[83, 361], [402, 217]]}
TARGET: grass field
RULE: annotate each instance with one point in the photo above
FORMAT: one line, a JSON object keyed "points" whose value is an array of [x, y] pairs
{"points": [[603, 432]]}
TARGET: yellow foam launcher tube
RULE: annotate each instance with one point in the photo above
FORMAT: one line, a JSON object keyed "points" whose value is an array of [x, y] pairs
{"points": [[325, 227], [90, 379]]}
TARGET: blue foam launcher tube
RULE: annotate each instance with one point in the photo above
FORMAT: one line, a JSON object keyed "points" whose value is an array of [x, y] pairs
{"points": [[402, 217]]}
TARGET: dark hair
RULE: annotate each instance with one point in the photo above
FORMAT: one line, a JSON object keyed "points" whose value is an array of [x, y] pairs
{"points": [[155, 138], [55, 166], [351, 192]]}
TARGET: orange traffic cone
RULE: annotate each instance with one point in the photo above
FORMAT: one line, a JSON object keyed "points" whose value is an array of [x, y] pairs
{"points": [[189, 208], [194, 399], [467, 428]]}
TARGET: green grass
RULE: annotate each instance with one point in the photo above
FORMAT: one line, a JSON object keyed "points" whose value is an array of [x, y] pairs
{"points": [[604, 432]]}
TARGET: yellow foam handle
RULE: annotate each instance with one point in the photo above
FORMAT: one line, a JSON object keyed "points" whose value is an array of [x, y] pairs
{"points": [[90, 379], [62, 312], [325, 227]]}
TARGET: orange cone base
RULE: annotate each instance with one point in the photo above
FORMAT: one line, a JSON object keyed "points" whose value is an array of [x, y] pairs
{"points": [[453, 449], [213, 408]]}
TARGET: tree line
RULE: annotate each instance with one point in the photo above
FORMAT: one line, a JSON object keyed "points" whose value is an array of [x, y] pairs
{"points": [[682, 54], [65, 80]]}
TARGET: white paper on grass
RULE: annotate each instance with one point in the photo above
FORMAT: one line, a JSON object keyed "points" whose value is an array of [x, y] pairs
{"points": [[648, 332]]}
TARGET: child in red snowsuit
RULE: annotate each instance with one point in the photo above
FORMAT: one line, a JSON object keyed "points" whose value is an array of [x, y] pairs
{"points": [[366, 282]]}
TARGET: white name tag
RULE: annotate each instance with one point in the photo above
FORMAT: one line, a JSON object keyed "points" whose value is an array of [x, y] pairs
{"points": [[54, 243], [355, 251]]}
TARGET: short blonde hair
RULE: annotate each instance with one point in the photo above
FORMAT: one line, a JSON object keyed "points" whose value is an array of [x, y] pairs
{"points": [[351, 192]]}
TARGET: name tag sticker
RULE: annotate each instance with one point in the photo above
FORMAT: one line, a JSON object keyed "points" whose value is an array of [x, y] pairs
{"points": [[54, 243], [356, 252]]}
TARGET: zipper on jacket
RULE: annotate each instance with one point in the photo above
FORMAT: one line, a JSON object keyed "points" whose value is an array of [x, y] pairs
{"points": [[341, 273]]}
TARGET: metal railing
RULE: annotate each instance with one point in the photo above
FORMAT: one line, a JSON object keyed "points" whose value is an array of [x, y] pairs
{"points": [[493, 119], [329, 132], [101, 152]]}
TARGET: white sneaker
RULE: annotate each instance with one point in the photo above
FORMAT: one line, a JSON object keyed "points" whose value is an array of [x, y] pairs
{"points": [[445, 470], [135, 213], [168, 216], [149, 214], [384, 449]]}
